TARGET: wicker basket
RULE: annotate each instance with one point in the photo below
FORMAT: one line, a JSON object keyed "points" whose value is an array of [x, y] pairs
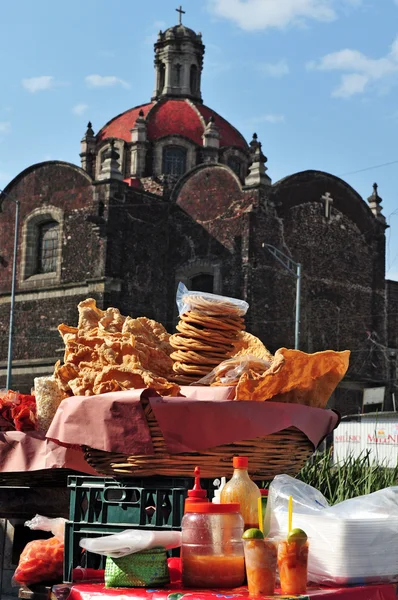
{"points": [[285, 451]]}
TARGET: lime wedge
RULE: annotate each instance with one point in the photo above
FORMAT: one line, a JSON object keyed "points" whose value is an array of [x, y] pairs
{"points": [[298, 536], [253, 534]]}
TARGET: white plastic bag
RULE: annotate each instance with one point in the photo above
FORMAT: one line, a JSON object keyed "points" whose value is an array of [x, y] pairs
{"points": [[131, 541], [230, 371], [354, 542], [209, 304], [56, 526]]}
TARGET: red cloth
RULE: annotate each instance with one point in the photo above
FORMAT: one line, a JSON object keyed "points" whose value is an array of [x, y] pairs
{"points": [[115, 422], [175, 592], [30, 451]]}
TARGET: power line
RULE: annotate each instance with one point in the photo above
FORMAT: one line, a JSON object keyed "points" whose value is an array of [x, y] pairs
{"points": [[393, 162]]}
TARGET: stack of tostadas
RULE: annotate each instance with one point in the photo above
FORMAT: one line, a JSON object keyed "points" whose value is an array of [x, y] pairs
{"points": [[208, 332]]}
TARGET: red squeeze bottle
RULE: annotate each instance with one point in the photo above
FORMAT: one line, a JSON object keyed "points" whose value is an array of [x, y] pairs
{"points": [[197, 493]]}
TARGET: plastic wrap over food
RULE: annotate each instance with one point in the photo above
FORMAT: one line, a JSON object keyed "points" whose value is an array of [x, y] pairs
{"points": [[354, 542], [230, 371], [56, 526], [48, 397], [209, 304], [131, 541], [42, 560]]}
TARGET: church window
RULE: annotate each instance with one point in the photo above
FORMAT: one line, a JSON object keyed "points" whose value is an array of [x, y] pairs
{"points": [[176, 75], [41, 246], [47, 250], [162, 77], [235, 164], [203, 282], [193, 80], [174, 160]]}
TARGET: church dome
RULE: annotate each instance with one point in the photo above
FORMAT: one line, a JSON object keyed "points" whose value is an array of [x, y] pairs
{"points": [[180, 31], [170, 117]]}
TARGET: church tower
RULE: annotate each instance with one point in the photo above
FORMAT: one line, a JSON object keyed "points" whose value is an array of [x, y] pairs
{"points": [[178, 63]]}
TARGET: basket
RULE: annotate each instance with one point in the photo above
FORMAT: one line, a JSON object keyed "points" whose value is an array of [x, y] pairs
{"points": [[285, 451]]}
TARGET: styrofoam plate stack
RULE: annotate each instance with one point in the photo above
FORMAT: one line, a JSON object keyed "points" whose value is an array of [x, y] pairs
{"points": [[353, 551]]}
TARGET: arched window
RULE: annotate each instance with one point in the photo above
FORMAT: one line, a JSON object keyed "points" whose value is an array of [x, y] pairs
{"points": [[176, 76], [204, 282], [235, 164], [162, 76], [47, 247], [193, 79], [174, 160]]}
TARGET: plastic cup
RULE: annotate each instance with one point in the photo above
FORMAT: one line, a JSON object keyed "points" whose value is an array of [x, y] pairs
{"points": [[293, 567], [261, 560]]}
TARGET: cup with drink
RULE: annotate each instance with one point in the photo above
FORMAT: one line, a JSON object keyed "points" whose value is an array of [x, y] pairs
{"points": [[293, 563], [260, 560]]}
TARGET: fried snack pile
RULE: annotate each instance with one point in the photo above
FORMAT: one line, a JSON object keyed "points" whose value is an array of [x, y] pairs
{"points": [[107, 352], [296, 377], [208, 334]]}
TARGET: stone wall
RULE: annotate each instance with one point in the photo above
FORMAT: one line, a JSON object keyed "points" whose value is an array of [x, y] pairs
{"points": [[129, 248]]}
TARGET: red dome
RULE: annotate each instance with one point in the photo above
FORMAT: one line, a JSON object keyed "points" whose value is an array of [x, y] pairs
{"points": [[173, 117]]}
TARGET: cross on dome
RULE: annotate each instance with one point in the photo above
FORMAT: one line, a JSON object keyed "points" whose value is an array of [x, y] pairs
{"points": [[181, 12], [328, 200]]}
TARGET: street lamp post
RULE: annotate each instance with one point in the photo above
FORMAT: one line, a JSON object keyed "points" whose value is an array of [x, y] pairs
{"points": [[295, 269], [13, 285]]}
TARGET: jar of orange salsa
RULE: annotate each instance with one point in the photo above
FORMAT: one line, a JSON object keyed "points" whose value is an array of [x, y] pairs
{"points": [[212, 549]]}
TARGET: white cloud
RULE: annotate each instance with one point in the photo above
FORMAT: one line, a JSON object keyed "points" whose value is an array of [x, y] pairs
{"points": [[5, 126], [105, 81], [253, 15], [79, 109], [38, 84], [354, 83], [359, 71], [278, 69]]}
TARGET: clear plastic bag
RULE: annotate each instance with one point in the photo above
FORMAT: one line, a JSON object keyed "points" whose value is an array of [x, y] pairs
{"points": [[209, 304], [229, 371], [354, 542], [42, 560], [131, 541], [56, 526]]}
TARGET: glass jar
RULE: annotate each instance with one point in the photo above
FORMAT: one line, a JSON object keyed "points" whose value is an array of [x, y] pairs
{"points": [[212, 549]]}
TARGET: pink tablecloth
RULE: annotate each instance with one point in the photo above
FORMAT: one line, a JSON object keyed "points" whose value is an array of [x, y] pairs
{"points": [[116, 422], [96, 591]]}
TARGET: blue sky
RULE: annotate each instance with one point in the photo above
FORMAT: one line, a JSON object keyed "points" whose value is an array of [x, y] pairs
{"points": [[316, 79]]}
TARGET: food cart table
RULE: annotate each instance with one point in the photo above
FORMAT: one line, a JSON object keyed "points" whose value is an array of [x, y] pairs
{"points": [[97, 591]]}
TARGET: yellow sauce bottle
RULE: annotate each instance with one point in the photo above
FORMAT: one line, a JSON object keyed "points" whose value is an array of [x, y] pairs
{"points": [[240, 488]]}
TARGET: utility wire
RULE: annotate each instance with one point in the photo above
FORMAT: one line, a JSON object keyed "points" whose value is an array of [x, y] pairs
{"points": [[393, 162]]}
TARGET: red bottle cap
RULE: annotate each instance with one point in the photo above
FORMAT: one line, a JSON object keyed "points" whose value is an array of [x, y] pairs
{"points": [[264, 493], [214, 509], [197, 493], [240, 462]]}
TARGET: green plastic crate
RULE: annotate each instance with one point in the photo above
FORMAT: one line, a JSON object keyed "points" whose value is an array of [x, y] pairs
{"points": [[155, 502], [101, 506]]}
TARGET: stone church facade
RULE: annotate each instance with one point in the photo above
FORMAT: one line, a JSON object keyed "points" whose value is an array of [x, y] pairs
{"points": [[170, 191]]}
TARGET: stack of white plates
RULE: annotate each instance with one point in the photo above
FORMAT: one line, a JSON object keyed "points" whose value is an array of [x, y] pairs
{"points": [[352, 551]]}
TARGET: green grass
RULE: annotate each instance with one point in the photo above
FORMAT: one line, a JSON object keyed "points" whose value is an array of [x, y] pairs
{"points": [[354, 477]]}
